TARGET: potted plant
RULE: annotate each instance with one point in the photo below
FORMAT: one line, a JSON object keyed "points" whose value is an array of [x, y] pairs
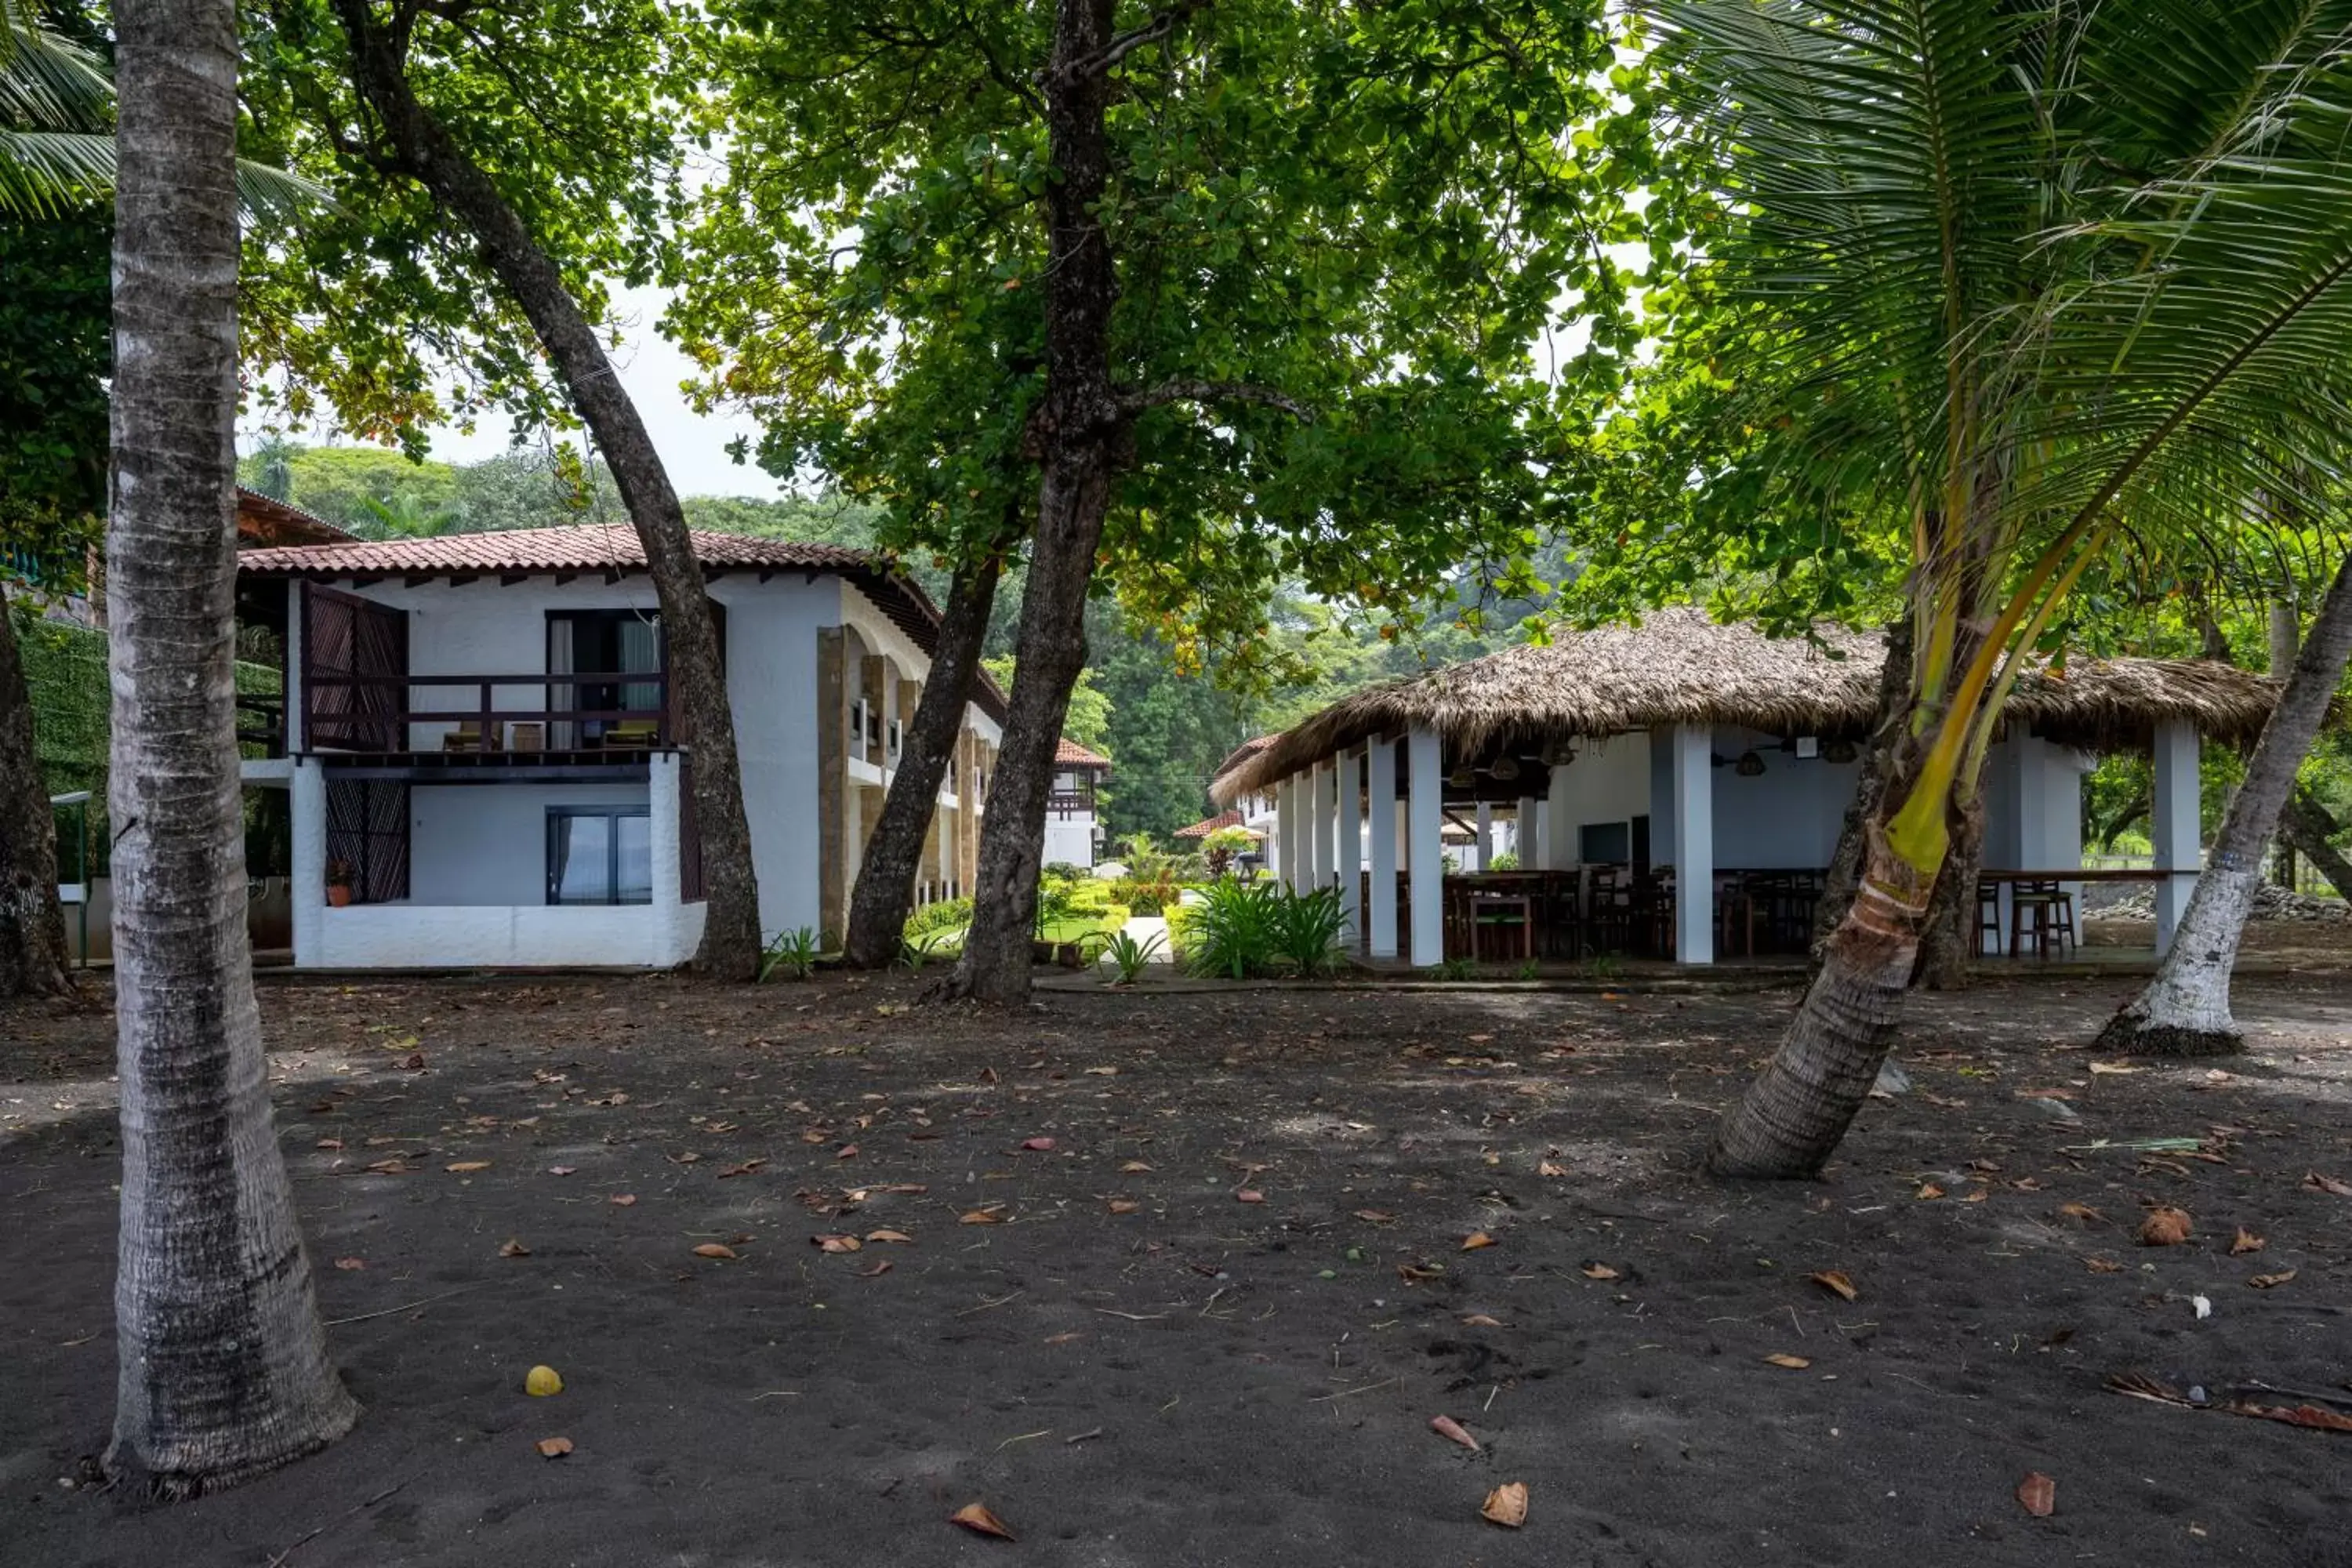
{"points": [[339, 883]]}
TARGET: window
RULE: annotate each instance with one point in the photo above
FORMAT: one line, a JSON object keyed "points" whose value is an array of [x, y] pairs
{"points": [[599, 855], [1604, 843], [896, 740]]}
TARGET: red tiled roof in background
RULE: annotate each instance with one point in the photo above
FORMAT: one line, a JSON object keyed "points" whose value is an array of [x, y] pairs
{"points": [[614, 548], [263, 522], [1203, 829], [1070, 754]]}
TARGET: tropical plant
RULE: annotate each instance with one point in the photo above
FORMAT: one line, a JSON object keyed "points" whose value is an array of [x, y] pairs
{"points": [[917, 951], [407, 515], [1309, 929], [1129, 956], [945, 915], [794, 953], [2003, 289], [1223, 846], [1231, 932], [1152, 896], [224, 1372]]}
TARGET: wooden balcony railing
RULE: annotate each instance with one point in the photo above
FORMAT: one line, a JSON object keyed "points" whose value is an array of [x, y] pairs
{"points": [[374, 713]]}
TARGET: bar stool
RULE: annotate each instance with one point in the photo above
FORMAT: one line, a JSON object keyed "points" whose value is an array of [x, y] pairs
{"points": [[1988, 914], [2051, 911]]}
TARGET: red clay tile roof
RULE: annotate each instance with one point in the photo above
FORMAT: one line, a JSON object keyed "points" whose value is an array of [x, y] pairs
{"points": [[263, 522], [1070, 754], [582, 547], [1203, 828]]}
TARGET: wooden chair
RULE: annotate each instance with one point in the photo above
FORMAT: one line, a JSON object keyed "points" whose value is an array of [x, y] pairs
{"points": [[2043, 913], [634, 734], [1988, 915], [1498, 914], [467, 736], [526, 735]]}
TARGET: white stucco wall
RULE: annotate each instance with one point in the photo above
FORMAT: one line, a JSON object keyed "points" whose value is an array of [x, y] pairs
{"points": [[1608, 781], [1069, 840], [1786, 819], [486, 844], [441, 936]]}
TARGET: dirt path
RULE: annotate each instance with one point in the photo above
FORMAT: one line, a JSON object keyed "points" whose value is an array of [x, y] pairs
{"points": [[1132, 1363]]}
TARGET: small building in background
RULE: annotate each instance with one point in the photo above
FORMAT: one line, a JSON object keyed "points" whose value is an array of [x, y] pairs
{"points": [[1072, 818]]}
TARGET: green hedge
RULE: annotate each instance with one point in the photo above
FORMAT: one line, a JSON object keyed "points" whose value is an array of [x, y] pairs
{"points": [[947, 914]]}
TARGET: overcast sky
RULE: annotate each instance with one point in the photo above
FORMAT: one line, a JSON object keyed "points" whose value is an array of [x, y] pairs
{"points": [[692, 446]]}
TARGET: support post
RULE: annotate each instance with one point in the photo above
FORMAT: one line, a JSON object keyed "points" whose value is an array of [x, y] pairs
{"points": [[1425, 834], [1320, 826], [1350, 844], [667, 946], [1694, 750], [2175, 827], [1381, 787], [1525, 843], [306, 806], [1558, 821], [1287, 834], [1482, 854]]}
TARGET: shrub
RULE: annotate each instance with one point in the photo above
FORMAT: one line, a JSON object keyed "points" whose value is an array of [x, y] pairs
{"points": [[1219, 849], [1231, 932], [947, 914], [1505, 861], [1129, 956], [1061, 871], [1308, 928], [793, 952], [1149, 896]]}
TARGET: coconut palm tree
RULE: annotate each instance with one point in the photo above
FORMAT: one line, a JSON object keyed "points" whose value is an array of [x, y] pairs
{"points": [[222, 1371], [57, 148], [2027, 282]]}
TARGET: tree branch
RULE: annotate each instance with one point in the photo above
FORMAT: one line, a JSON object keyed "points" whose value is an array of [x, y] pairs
{"points": [[1136, 400], [1127, 43]]}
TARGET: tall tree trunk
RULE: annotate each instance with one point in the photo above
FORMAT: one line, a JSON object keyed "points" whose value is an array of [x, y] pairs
{"points": [[1948, 940], [2285, 631], [33, 953], [2184, 1009], [1844, 873], [423, 149], [2305, 824], [885, 878], [1796, 1111], [222, 1363], [1081, 435]]}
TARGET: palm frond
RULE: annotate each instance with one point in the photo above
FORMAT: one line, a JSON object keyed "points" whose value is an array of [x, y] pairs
{"points": [[43, 172]]}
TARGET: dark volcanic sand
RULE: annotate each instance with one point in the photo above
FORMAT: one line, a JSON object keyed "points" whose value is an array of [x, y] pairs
{"points": [[1255, 1381]]}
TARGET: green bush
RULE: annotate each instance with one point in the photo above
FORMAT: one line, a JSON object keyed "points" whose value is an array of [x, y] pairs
{"points": [[947, 914], [1505, 861], [1308, 928]]}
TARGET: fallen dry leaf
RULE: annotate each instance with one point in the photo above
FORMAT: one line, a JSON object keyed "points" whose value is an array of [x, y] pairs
{"points": [[1481, 1320], [1835, 1282], [2266, 1281], [2164, 1226], [464, 1167], [1452, 1431], [876, 1269], [980, 1216], [350, 1264], [1124, 1205], [1476, 1239], [714, 1249], [1506, 1505], [2313, 1416], [1930, 1190], [745, 1168], [1547, 1168], [2328, 1184], [622, 1200], [2113, 1067], [1375, 1217], [1249, 1196], [2247, 1241], [2102, 1266], [554, 1448], [328, 1143], [900, 1237], [847, 1152], [976, 1518], [2039, 1493], [833, 1243], [2081, 1214], [512, 1247], [1038, 1145], [561, 1170], [1415, 1273], [1598, 1271], [1794, 1363], [1133, 1168]]}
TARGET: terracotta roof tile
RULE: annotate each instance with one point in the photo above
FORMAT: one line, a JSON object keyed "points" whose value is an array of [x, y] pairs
{"points": [[579, 548], [1203, 828], [1070, 754]]}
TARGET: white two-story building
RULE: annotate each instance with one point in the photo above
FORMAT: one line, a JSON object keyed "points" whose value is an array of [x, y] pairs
{"points": [[487, 767]]}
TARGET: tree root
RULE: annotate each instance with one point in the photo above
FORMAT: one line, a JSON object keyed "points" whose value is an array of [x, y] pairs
{"points": [[2140, 1036]]}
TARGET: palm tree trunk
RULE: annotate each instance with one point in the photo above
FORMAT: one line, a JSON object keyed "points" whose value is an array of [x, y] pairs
{"points": [[1844, 873], [1947, 941], [421, 148], [1081, 437], [886, 877], [1796, 1111], [222, 1363], [33, 953], [2305, 824], [2184, 1009]]}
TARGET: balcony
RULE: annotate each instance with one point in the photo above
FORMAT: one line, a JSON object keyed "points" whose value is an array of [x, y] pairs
{"points": [[580, 718]]}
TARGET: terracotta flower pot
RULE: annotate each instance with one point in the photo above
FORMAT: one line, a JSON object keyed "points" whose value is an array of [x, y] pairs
{"points": [[338, 895]]}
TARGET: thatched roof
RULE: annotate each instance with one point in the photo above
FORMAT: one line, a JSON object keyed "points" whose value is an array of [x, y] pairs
{"points": [[1680, 668]]}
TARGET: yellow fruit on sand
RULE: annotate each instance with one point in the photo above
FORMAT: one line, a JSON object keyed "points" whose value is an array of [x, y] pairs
{"points": [[541, 1380]]}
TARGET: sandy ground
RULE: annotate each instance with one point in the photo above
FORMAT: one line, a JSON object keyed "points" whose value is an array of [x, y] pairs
{"points": [[1131, 1361]]}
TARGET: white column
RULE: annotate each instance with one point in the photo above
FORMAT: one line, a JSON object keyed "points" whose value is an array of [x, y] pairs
{"points": [[1693, 748], [2174, 821], [1483, 852], [1381, 788], [1350, 868], [1319, 826], [1525, 843], [306, 804], [664, 925], [1290, 840], [1425, 833], [1560, 819]]}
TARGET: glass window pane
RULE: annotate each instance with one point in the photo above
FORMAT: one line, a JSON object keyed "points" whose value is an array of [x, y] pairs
{"points": [[637, 855], [583, 849]]}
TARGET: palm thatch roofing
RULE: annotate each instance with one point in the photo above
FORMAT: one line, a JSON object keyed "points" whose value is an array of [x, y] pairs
{"points": [[1679, 667]]}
